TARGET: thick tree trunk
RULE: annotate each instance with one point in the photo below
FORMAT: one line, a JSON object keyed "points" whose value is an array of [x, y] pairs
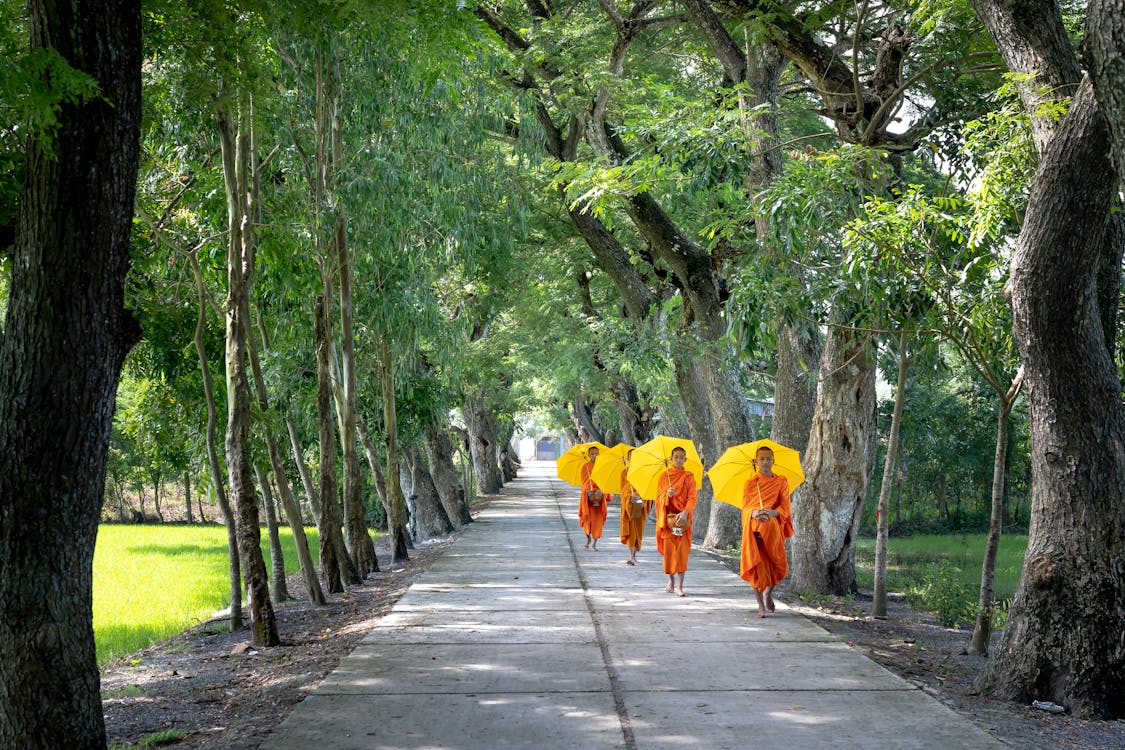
{"points": [[439, 451], [879, 597], [1063, 638], [634, 418], [838, 466], [235, 140], [1105, 41], [429, 518], [65, 337], [279, 588], [218, 478], [335, 564], [483, 437], [697, 412], [794, 395]]}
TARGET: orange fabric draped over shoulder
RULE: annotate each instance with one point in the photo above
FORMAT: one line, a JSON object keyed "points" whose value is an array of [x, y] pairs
{"points": [[633, 515], [675, 549], [591, 513], [763, 563]]}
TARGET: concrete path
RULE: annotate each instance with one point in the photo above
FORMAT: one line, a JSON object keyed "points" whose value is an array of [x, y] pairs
{"points": [[517, 637]]}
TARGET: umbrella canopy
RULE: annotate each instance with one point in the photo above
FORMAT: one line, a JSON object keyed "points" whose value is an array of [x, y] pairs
{"points": [[652, 459], [569, 465], [608, 467], [736, 466]]}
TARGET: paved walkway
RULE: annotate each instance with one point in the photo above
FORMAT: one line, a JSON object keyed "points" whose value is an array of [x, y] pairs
{"points": [[517, 637]]}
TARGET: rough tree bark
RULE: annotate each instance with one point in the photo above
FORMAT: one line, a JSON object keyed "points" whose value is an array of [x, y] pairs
{"points": [[430, 519], [483, 435], [1063, 638], [65, 337], [838, 466], [335, 564], [439, 451], [235, 137]]}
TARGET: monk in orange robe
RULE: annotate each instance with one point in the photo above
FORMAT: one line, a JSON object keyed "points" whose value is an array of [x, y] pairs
{"points": [[592, 509], [766, 522], [634, 512], [675, 504]]}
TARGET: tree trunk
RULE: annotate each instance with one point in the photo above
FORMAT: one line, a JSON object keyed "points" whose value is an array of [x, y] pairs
{"points": [[61, 349], [187, 496], [428, 517], [156, 481], [1063, 639], [396, 516], [292, 511], [360, 546], [879, 598], [296, 524], [697, 411], [439, 451], [509, 466], [279, 589], [335, 564], [482, 428], [794, 395], [982, 630], [235, 139], [218, 479], [838, 465], [302, 468]]}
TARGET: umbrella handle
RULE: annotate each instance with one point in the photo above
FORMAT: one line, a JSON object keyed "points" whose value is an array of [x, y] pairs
{"points": [[758, 484]]}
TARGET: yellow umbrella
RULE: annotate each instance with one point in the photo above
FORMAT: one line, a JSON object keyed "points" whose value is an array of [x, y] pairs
{"points": [[652, 459], [608, 467], [569, 465], [736, 466]]}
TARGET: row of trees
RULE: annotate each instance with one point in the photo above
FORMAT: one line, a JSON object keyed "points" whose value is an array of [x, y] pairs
{"points": [[349, 223]]}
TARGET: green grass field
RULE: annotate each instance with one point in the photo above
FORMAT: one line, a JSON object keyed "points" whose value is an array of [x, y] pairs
{"points": [[153, 581], [941, 574]]}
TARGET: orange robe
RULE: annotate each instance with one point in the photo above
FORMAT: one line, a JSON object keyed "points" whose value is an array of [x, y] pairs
{"points": [[591, 516], [633, 516], [674, 548], [762, 563]]}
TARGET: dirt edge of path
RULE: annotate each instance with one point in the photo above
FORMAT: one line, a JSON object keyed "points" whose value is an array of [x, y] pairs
{"points": [[212, 690]]}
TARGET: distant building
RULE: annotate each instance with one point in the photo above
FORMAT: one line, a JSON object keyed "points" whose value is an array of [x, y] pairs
{"points": [[547, 448]]}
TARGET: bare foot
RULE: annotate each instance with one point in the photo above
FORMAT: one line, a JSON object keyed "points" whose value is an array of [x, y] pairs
{"points": [[668, 588], [630, 562], [769, 602], [761, 614], [680, 593]]}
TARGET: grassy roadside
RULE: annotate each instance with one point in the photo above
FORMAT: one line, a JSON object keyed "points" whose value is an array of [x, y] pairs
{"points": [[153, 581], [941, 573]]}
